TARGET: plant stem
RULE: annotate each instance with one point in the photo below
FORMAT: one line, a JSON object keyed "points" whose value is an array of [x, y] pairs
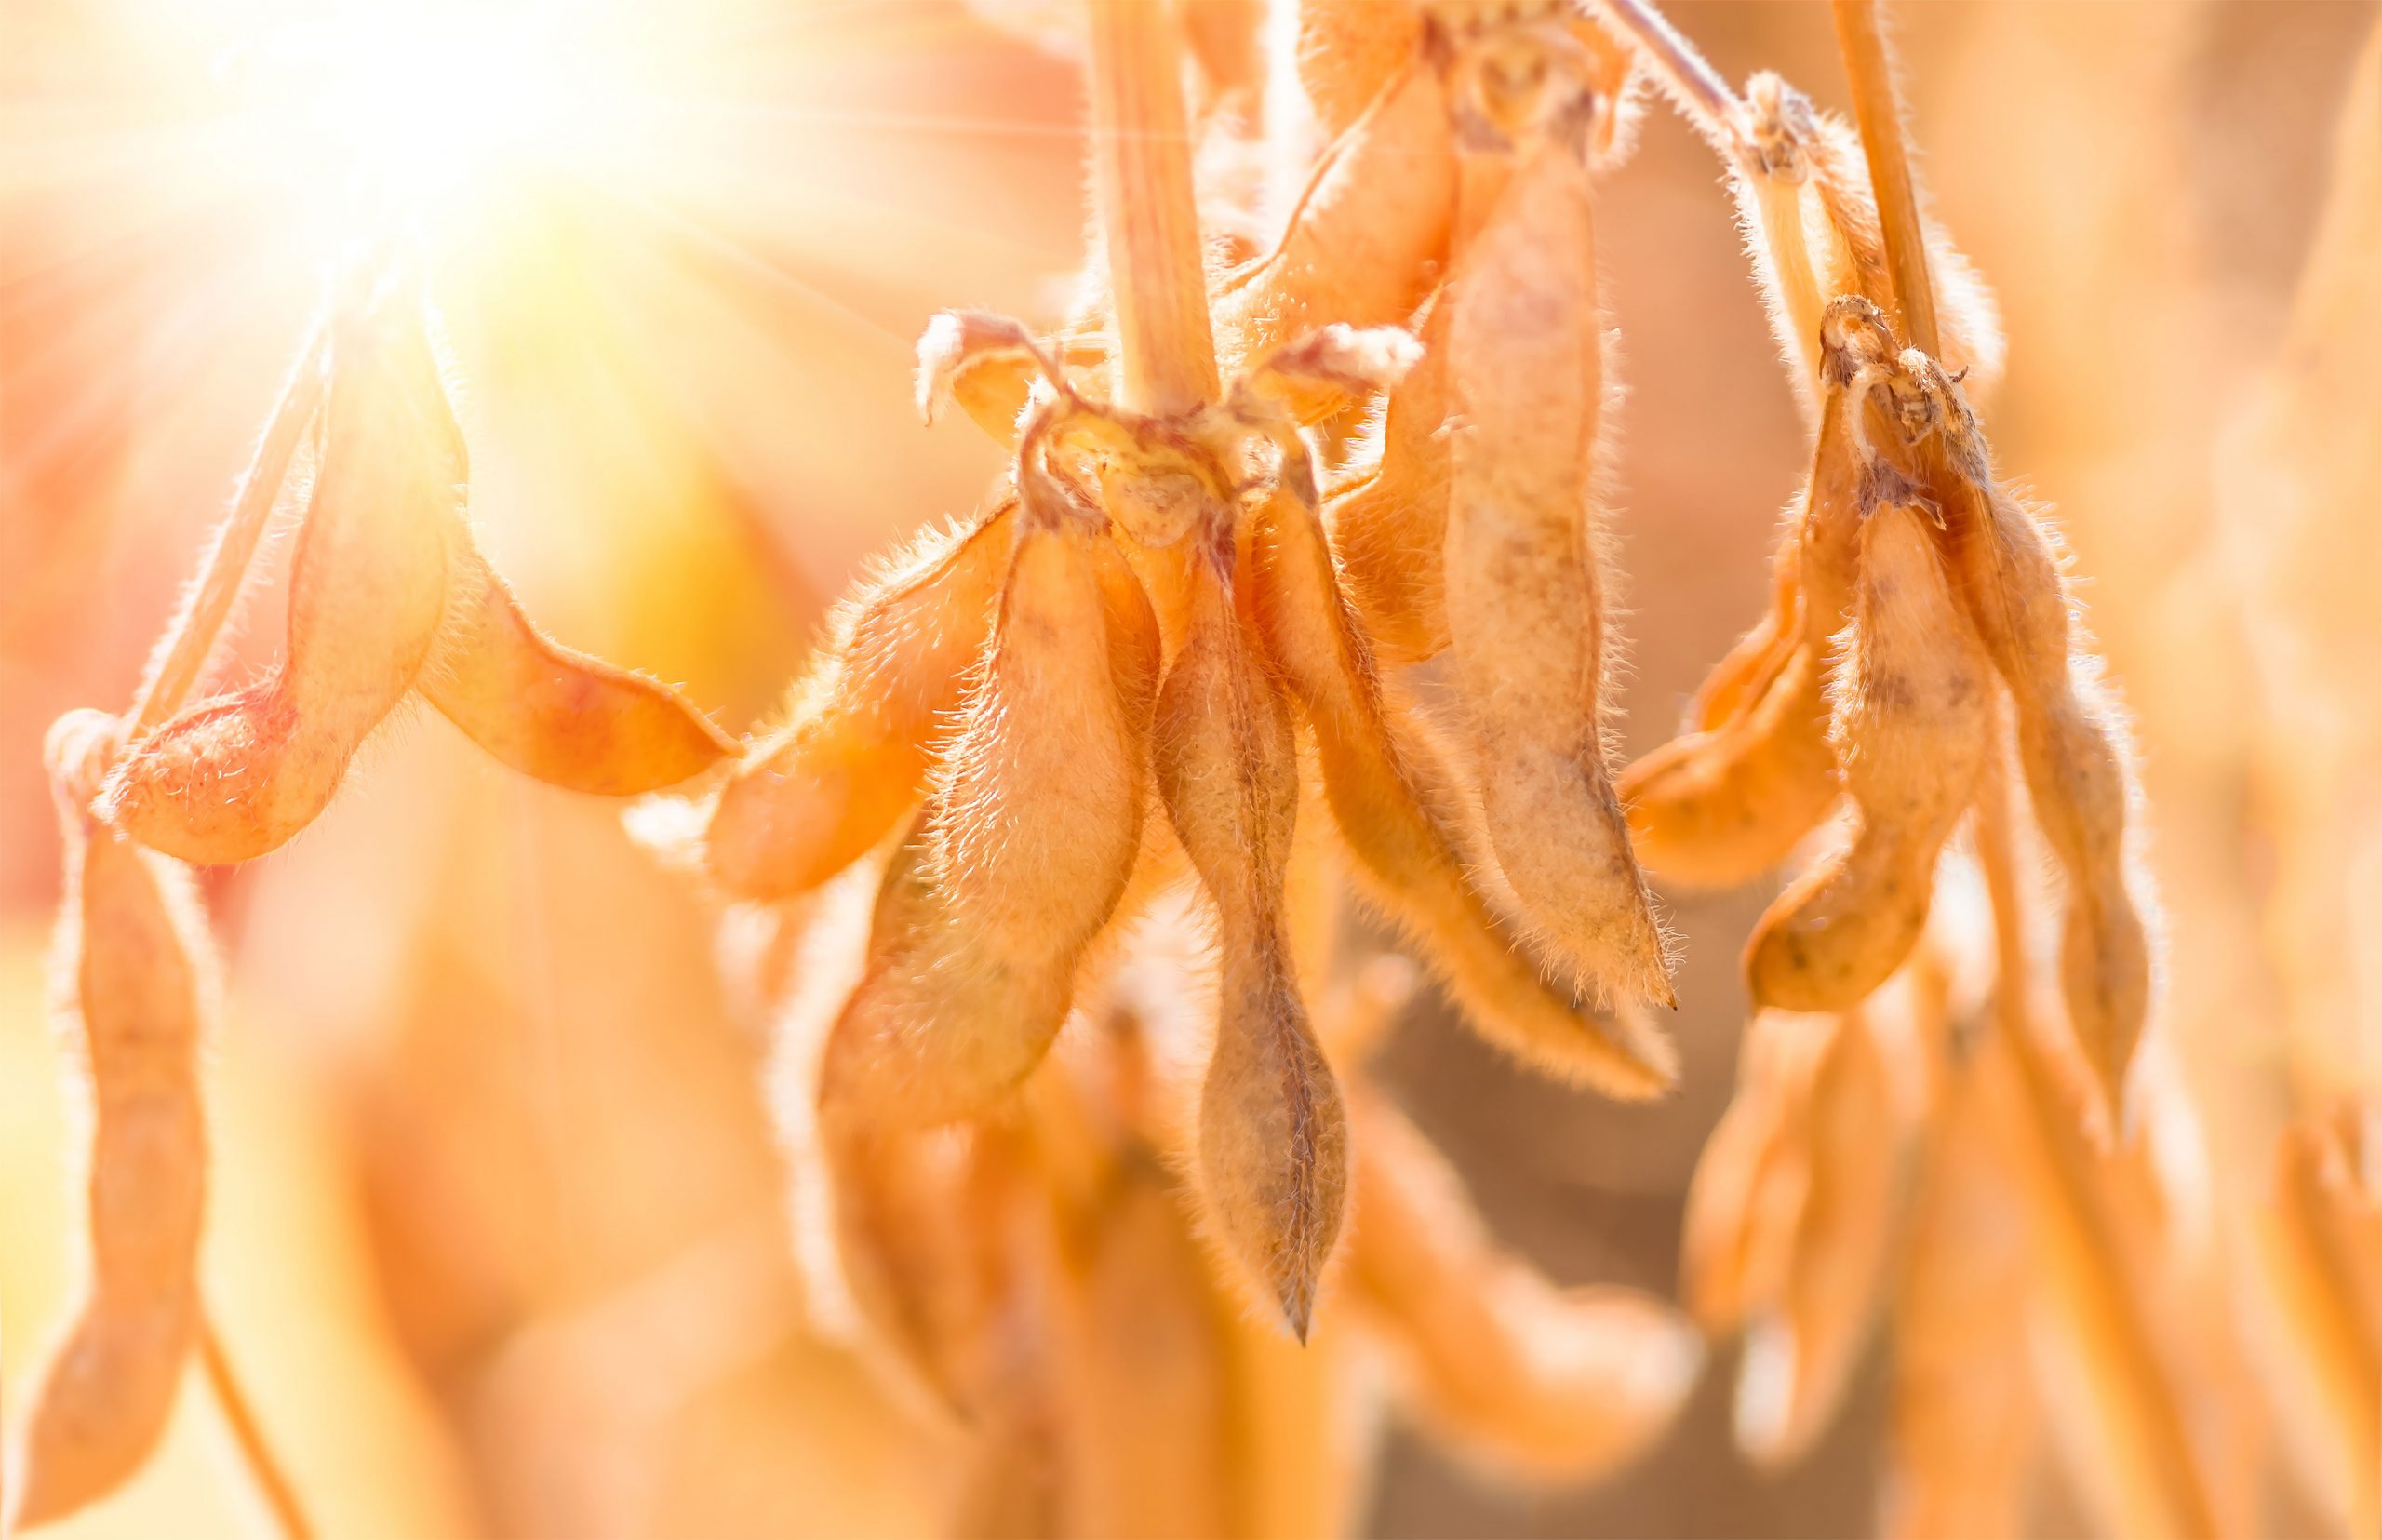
{"points": [[272, 1482], [1148, 214], [2076, 1186], [1693, 82], [1869, 69], [182, 657]]}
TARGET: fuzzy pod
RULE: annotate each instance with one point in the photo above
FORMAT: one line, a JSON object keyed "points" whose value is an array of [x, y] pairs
{"points": [[1362, 246], [2071, 743], [1388, 522], [1913, 726], [1395, 801], [1529, 1381], [554, 714], [130, 970], [1273, 1139], [853, 755], [1525, 592], [234, 778], [1034, 828], [1722, 805]]}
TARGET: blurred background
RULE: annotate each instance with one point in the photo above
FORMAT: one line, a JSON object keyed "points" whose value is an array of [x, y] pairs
{"points": [[494, 1222]]}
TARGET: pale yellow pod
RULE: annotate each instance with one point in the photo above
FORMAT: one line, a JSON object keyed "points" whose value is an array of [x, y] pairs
{"points": [[1722, 805], [548, 710], [1527, 1380], [234, 778], [130, 975], [1145, 1382], [1393, 797], [1033, 826], [1389, 524], [1362, 246], [1526, 605], [2071, 745], [1273, 1141], [1967, 1425], [1738, 1232], [852, 757], [1744, 674], [1803, 1344], [1914, 724]]}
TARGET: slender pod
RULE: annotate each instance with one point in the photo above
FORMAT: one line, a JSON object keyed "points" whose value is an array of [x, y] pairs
{"points": [[1529, 1380], [1394, 802], [130, 975], [234, 778], [1033, 826], [853, 755], [1526, 605], [2072, 748], [1914, 722], [1720, 806], [1273, 1141], [547, 710]]}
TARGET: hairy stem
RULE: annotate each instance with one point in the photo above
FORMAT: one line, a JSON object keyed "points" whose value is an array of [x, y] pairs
{"points": [[182, 657], [272, 1482], [1148, 214], [1694, 83], [1875, 107]]}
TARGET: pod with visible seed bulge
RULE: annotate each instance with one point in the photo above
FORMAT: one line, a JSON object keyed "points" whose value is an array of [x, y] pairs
{"points": [[231, 779], [1914, 715], [129, 972], [2070, 744], [814, 795], [1273, 1141], [1034, 822], [1394, 802], [1721, 806], [547, 710], [1529, 1380], [1525, 597], [1364, 243]]}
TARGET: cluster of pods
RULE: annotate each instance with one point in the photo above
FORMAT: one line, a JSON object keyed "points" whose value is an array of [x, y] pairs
{"points": [[1051, 840]]}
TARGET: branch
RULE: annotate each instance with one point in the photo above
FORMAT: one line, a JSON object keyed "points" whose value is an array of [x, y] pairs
{"points": [[1870, 70]]}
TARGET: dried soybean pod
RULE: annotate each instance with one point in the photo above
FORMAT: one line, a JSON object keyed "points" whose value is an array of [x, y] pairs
{"points": [[1804, 1339], [2069, 742], [1392, 797], [547, 710], [1362, 244], [1752, 1178], [1349, 49], [1389, 526], [1034, 823], [1526, 607], [1720, 807], [811, 798], [1529, 1380], [130, 952], [1913, 721], [232, 778], [1273, 1157]]}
